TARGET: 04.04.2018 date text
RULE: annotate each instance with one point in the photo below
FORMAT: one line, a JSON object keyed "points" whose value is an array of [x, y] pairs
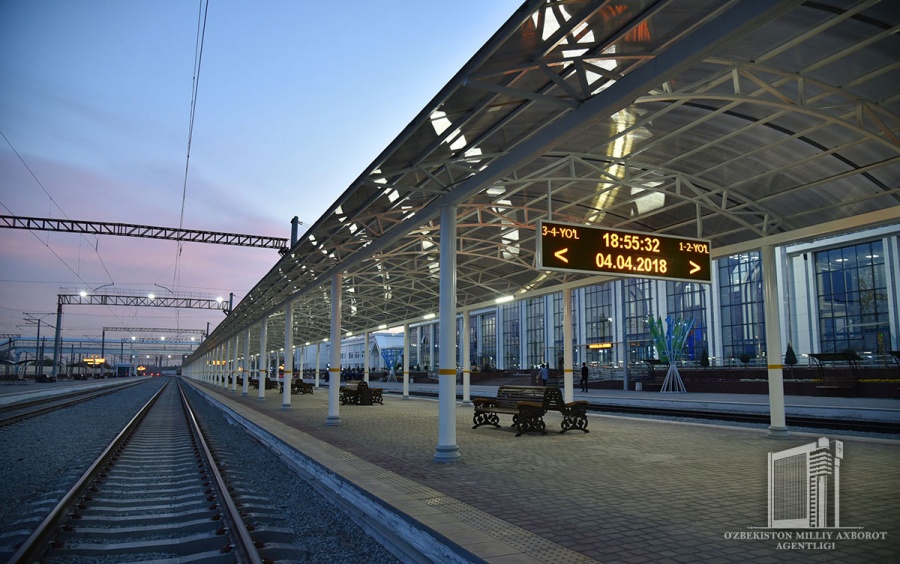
{"points": [[650, 265]]}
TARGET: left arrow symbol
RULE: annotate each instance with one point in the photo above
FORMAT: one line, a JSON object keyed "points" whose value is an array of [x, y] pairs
{"points": [[559, 254], [694, 267]]}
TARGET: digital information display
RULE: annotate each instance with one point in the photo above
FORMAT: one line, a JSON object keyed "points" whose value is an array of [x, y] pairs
{"points": [[569, 247]]}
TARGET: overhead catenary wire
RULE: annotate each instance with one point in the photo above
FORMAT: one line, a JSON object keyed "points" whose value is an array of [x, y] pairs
{"points": [[95, 246], [198, 59]]}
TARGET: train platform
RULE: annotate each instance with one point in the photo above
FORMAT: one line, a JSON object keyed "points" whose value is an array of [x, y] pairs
{"points": [[631, 490]]}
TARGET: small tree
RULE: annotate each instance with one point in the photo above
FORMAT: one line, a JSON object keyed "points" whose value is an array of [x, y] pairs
{"points": [[790, 359], [704, 358]]}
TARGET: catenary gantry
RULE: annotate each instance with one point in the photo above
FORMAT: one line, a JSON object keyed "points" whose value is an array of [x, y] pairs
{"points": [[144, 231]]}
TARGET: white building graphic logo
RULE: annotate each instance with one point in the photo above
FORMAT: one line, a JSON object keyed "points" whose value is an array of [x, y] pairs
{"points": [[800, 481], [805, 501]]}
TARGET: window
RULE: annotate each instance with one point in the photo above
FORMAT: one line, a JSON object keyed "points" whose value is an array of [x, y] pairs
{"points": [[598, 321], [638, 307], [555, 355], [534, 331], [687, 300], [743, 313], [852, 296], [511, 356], [488, 356]]}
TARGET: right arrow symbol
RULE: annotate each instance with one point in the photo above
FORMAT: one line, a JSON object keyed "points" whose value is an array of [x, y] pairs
{"points": [[694, 267]]}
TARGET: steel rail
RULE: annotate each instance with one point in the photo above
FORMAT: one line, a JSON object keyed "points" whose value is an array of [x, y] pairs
{"points": [[883, 427], [36, 543], [246, 548], [53, 403]]}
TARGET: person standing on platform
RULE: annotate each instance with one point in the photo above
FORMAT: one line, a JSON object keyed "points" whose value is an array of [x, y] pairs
{"points": [[584, 377], [545, 374]]}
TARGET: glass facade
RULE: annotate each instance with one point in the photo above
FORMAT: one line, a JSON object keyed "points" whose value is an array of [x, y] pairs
{"points": [[555, 354], [742, 309], [488, 351], [598, 322], [687, 300], [534, 332], [638, 307], [852, 297], [511, 340], [851, 305]]}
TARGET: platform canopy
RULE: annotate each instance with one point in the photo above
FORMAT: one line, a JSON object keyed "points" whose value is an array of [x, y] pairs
{"points": [[746, 123]]}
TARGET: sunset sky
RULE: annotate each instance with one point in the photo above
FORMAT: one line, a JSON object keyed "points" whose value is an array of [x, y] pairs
{"points": [[294, 100]]}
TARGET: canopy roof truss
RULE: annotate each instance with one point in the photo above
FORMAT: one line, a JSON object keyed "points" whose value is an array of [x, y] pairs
{"points": [[741, 122]]}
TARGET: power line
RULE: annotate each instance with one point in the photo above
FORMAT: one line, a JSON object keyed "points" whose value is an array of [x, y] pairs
{"points": [[47, 244], [198, 59]]}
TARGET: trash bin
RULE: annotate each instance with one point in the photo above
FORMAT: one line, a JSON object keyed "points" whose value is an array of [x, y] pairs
{"points": [[638, 386]]}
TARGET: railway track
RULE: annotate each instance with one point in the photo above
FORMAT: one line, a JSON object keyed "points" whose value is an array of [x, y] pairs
{"points": [[757, 418], [734, 417], [19, 411], [154, 494]]}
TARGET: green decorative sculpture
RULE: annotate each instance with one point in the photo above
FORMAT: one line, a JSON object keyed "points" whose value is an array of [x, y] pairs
{"points": [[669, 346]]}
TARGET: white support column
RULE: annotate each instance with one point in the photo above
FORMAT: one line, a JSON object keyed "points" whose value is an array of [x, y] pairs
{"points": [[219, 354], [245, 365], [262, 363], [223, 355], [301, 362], [234, 363], [334, 371], [223, 365], [318, 349], [777, 425], [447, 449], [569, 389], [466, 364], [226, 362], [405, 367], [366, 357], [288, 354]]}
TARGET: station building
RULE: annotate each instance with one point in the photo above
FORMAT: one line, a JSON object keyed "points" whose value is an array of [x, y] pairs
{"points": [[837, 294]]}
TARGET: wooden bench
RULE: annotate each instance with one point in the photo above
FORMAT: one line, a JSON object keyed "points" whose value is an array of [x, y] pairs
{"points": [[527, 405], [359, 393], [298, 386]]}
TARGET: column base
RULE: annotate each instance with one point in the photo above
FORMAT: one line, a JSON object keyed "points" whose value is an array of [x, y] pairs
{"points": [[405, 397], [467, 403], [779, 433], [244, 394], [260, 399], [285, 406], [446, 453], [332, 420]]}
